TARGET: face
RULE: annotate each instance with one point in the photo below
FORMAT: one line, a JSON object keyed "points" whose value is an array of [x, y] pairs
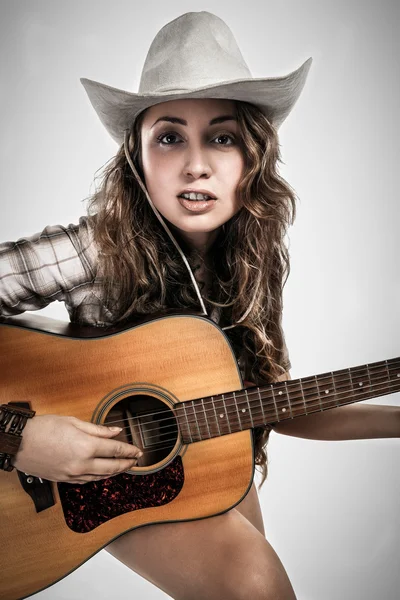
{"points": [[193, 145]]}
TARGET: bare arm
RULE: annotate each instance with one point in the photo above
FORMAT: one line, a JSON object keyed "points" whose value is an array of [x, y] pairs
{"points": [[353, 422]]}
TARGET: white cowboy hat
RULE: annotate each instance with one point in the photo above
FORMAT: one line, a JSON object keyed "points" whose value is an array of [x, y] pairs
{"points": [[195, 56]]}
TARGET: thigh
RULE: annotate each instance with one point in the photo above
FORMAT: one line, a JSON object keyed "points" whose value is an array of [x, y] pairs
{"points": [[250, 508], [226, 556]]}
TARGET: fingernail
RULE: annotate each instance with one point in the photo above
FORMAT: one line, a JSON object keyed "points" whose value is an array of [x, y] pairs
{"points": [[115, 428], [139, 454]]}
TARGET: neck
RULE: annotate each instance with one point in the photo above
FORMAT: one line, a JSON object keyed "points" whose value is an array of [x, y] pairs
{"points": [[200, 241], [204, 418]]}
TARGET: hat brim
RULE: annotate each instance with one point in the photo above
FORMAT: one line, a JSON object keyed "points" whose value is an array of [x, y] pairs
{"points": [[274, 96]]}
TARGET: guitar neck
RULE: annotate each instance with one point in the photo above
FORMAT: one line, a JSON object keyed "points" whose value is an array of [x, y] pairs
{"points": [[210, 417]]}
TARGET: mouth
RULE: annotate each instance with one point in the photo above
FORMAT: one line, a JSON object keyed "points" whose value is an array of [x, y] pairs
{"points": [[197, 206], [197, 201], [197, 195]]}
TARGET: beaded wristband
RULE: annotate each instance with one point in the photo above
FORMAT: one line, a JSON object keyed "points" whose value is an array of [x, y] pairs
{"points": [[12, 421]]}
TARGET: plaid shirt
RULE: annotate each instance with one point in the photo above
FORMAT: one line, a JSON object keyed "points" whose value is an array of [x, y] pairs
{"points": [[60, 263]]}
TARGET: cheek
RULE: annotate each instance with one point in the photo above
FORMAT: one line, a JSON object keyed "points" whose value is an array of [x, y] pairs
{"points": [[233, 171], [155, 170]]}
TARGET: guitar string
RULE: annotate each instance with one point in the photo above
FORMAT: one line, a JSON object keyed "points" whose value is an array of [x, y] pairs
{"points": [[258, 413], [170, 446], [290, 384], [301, 400], [295, 401], [319, 401], [203, 428], [246, 392]]}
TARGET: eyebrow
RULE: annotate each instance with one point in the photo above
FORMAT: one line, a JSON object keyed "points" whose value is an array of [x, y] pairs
{"points": [[215, 121]]}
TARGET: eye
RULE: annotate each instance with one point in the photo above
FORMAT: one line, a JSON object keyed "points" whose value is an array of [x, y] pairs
{"points": [[170, 139], [225, 136], [166, 136]]}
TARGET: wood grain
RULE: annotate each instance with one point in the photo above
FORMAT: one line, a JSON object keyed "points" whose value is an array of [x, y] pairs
{"points": [[188, 358]]}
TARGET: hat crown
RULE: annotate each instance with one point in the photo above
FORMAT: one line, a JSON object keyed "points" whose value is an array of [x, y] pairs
{"points": [[195, 50]]}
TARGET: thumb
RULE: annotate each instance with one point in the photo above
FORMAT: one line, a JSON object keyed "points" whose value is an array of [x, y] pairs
{"points": [[98, 430]]}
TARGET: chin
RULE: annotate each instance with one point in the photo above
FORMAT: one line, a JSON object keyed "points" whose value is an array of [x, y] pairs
{"points": [[198, 228], [195, 226]]}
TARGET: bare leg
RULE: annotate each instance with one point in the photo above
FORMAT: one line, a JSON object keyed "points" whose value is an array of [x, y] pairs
{"points": [[221, 558]]}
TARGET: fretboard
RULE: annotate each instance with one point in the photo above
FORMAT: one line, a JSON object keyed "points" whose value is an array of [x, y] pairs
{"points": [[214, 416]]}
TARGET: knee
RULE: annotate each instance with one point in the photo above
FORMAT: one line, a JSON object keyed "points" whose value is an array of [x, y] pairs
{"points": [[261, 585]]}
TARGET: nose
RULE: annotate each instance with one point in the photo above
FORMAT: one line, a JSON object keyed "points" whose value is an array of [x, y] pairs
{"points": [[197, 163]]}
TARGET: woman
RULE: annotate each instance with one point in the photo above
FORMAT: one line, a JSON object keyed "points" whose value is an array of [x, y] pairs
{"points": [[124, 263]]}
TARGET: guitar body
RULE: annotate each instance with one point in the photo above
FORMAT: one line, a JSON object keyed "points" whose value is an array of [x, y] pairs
{"points": [[157, 364]]}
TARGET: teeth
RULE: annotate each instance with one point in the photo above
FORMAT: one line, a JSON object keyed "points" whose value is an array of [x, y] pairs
{"points": [[193, 196]]}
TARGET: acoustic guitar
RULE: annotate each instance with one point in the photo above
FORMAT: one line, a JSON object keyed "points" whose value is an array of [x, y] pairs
{"points": [[174, 386]]}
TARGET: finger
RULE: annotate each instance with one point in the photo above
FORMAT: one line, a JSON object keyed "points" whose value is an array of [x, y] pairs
{"points": [[107, 467], [97, 429], [116, 449]]}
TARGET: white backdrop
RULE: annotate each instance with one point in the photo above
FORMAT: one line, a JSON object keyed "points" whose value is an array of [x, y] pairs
{"points": [[331, 509]]}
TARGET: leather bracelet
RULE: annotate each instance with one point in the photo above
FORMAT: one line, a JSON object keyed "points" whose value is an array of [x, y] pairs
{"points": [[12, 421]]}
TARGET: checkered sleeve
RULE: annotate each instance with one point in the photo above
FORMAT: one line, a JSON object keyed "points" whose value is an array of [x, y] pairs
{"points": [[57, 264]]}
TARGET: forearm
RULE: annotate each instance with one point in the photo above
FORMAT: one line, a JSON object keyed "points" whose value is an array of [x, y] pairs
{"points": [[353, 422]]}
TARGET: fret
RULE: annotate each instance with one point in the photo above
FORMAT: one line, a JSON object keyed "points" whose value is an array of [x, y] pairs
{"points": [[327, 391], [191, 419], [205, 418], [243, 408], [227, 413], [393, 367], [369, 379], [387, 371], [343, 386], [261, 404], [319, 393], [238, 414], [288, 399], [182, 426], [283, 410], [351, 383], [282, 400], [268, 406], [187, 421], [310, 400], [250, 411], [334, 388], [302, 395], [211, 416], [215, 413], [380, 378], [361, 385], [273, 398], [221, 415], [196, 421]]}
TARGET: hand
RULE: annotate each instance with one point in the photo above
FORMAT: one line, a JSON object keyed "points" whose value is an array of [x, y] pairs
{"points": [[68, 449]]}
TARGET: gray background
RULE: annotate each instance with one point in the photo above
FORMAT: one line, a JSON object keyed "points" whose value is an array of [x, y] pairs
{"points": [[331, 509]]}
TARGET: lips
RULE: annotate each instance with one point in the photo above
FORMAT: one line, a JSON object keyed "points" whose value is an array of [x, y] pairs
{"points": [[196, 206]]}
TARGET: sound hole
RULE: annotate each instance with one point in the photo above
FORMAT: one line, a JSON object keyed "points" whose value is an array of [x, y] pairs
{"points": [[147, 423]]}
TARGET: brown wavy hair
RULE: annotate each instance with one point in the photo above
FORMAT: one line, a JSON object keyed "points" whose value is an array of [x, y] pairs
{"points": [[144, 274]]}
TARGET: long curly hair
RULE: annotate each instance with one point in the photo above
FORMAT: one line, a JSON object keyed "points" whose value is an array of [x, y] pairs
{"points": [[144, 274]]}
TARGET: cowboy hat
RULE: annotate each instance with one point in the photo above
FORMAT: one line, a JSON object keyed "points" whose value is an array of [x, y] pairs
{"points": [[195, 56]]}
